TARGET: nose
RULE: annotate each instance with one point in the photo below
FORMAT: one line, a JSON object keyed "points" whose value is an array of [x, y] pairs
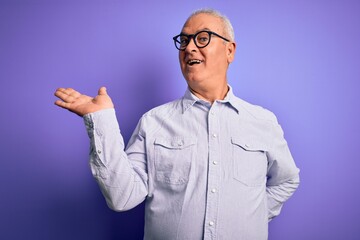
{"points": [[191, 46]]}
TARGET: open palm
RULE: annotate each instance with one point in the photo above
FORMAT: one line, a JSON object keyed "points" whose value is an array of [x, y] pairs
{"points": [[80, 104]]}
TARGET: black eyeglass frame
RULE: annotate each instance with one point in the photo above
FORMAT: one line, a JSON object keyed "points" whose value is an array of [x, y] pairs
{"points": [[193, 37]]}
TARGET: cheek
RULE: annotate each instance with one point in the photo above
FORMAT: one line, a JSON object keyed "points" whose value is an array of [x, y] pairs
{"points": [[181, 57], [214, 58]]}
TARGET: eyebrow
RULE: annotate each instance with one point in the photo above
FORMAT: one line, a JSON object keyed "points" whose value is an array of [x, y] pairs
{"points": [[203, 29]]}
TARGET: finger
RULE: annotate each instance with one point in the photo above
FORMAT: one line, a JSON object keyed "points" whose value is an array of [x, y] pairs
{"points": [[102, 91], [69, 91], [65, 90], [63, 104], [75, 94], [64, 96], [60, 89], [72, 92]]}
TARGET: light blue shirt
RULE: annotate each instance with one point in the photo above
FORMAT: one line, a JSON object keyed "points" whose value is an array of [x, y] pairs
{"points": [[206, 171]]}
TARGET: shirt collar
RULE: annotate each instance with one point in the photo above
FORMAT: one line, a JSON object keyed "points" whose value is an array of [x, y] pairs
{"points": [[189, 99]]}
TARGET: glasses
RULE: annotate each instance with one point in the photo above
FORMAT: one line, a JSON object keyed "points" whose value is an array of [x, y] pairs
{"points": [[201, 39]]}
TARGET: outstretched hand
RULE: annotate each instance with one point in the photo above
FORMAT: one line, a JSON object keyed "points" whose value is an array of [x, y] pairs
{"points": [[82, 104]]}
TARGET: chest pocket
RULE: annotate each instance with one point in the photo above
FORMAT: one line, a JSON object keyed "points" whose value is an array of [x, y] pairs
{"points": [[173, 157], [249, 162]]}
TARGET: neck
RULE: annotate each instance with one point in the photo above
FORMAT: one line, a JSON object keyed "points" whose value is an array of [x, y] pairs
{"points": [[210, 94]]}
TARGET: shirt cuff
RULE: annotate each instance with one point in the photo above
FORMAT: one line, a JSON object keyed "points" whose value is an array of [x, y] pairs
{"points": [[101, 121]]}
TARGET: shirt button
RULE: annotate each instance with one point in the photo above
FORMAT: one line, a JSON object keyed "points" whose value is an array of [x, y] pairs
{"points": [[212, 113], [211, 223], [215, 162], [99, 151], [214, 135], [213, 190]]}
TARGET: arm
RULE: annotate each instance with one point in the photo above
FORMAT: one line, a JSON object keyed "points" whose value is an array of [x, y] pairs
{"points": [[283, 175], [123, 182], [277, 195], [122, 177]]}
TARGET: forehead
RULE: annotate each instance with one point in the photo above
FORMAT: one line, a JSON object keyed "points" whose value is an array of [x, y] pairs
{"points": [[202, 21]]}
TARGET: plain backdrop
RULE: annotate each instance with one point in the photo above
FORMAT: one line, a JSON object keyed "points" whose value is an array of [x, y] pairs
{"points": [[300, 59]]}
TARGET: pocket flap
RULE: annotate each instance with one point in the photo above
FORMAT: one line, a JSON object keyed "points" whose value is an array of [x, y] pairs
{"points": [[175, 143], [249, 145]]}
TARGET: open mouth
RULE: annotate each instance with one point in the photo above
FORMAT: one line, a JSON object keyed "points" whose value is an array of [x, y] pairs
{"points": [[193, 62]]}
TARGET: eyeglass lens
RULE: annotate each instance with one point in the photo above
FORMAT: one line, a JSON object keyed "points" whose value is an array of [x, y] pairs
{"points": [[201, 40]]}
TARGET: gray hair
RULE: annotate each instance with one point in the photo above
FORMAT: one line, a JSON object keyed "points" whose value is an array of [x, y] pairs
{"points": [[228, 28]]}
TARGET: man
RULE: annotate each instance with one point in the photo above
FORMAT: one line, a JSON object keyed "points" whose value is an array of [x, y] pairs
{"points": [[209, 165]]}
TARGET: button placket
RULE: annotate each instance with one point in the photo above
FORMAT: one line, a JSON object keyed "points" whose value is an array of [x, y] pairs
{"points": [[213, 173]]}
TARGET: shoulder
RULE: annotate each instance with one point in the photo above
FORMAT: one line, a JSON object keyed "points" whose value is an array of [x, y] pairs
{"points": [[153, 120], [255, 111], [164, 110]]}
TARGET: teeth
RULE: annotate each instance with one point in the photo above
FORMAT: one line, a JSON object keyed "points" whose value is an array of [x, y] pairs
{"points": [[194, 61]]}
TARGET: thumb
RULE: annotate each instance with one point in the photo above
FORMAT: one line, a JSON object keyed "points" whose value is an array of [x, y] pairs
{"points": [[102, 91]]}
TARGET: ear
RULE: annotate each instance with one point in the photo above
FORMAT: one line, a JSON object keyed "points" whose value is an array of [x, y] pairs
{"points": [[230, 51]]}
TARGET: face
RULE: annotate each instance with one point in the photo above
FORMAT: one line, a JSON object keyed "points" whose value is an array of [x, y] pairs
{"points": [[213, 60]]}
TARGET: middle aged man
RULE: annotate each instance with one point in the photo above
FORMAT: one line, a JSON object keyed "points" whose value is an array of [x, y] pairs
{"points": [[210, 165]]}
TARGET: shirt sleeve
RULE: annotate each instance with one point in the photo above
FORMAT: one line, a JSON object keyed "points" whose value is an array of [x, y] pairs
{"points": [[122, 181], [277, 195], [283, 175]]}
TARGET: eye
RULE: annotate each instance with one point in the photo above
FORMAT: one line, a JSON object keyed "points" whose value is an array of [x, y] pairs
{"points": [[203, 39], [183, 40]]}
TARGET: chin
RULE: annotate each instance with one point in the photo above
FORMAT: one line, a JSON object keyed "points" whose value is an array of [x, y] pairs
{"points": [[191, 78], [194, 81]]}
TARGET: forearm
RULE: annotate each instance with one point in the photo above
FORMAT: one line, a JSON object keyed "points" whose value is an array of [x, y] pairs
{"points": [[277, 195], [123, 184]]}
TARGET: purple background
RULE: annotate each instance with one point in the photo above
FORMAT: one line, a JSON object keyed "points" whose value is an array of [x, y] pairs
{"points": [[300, 59]]}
